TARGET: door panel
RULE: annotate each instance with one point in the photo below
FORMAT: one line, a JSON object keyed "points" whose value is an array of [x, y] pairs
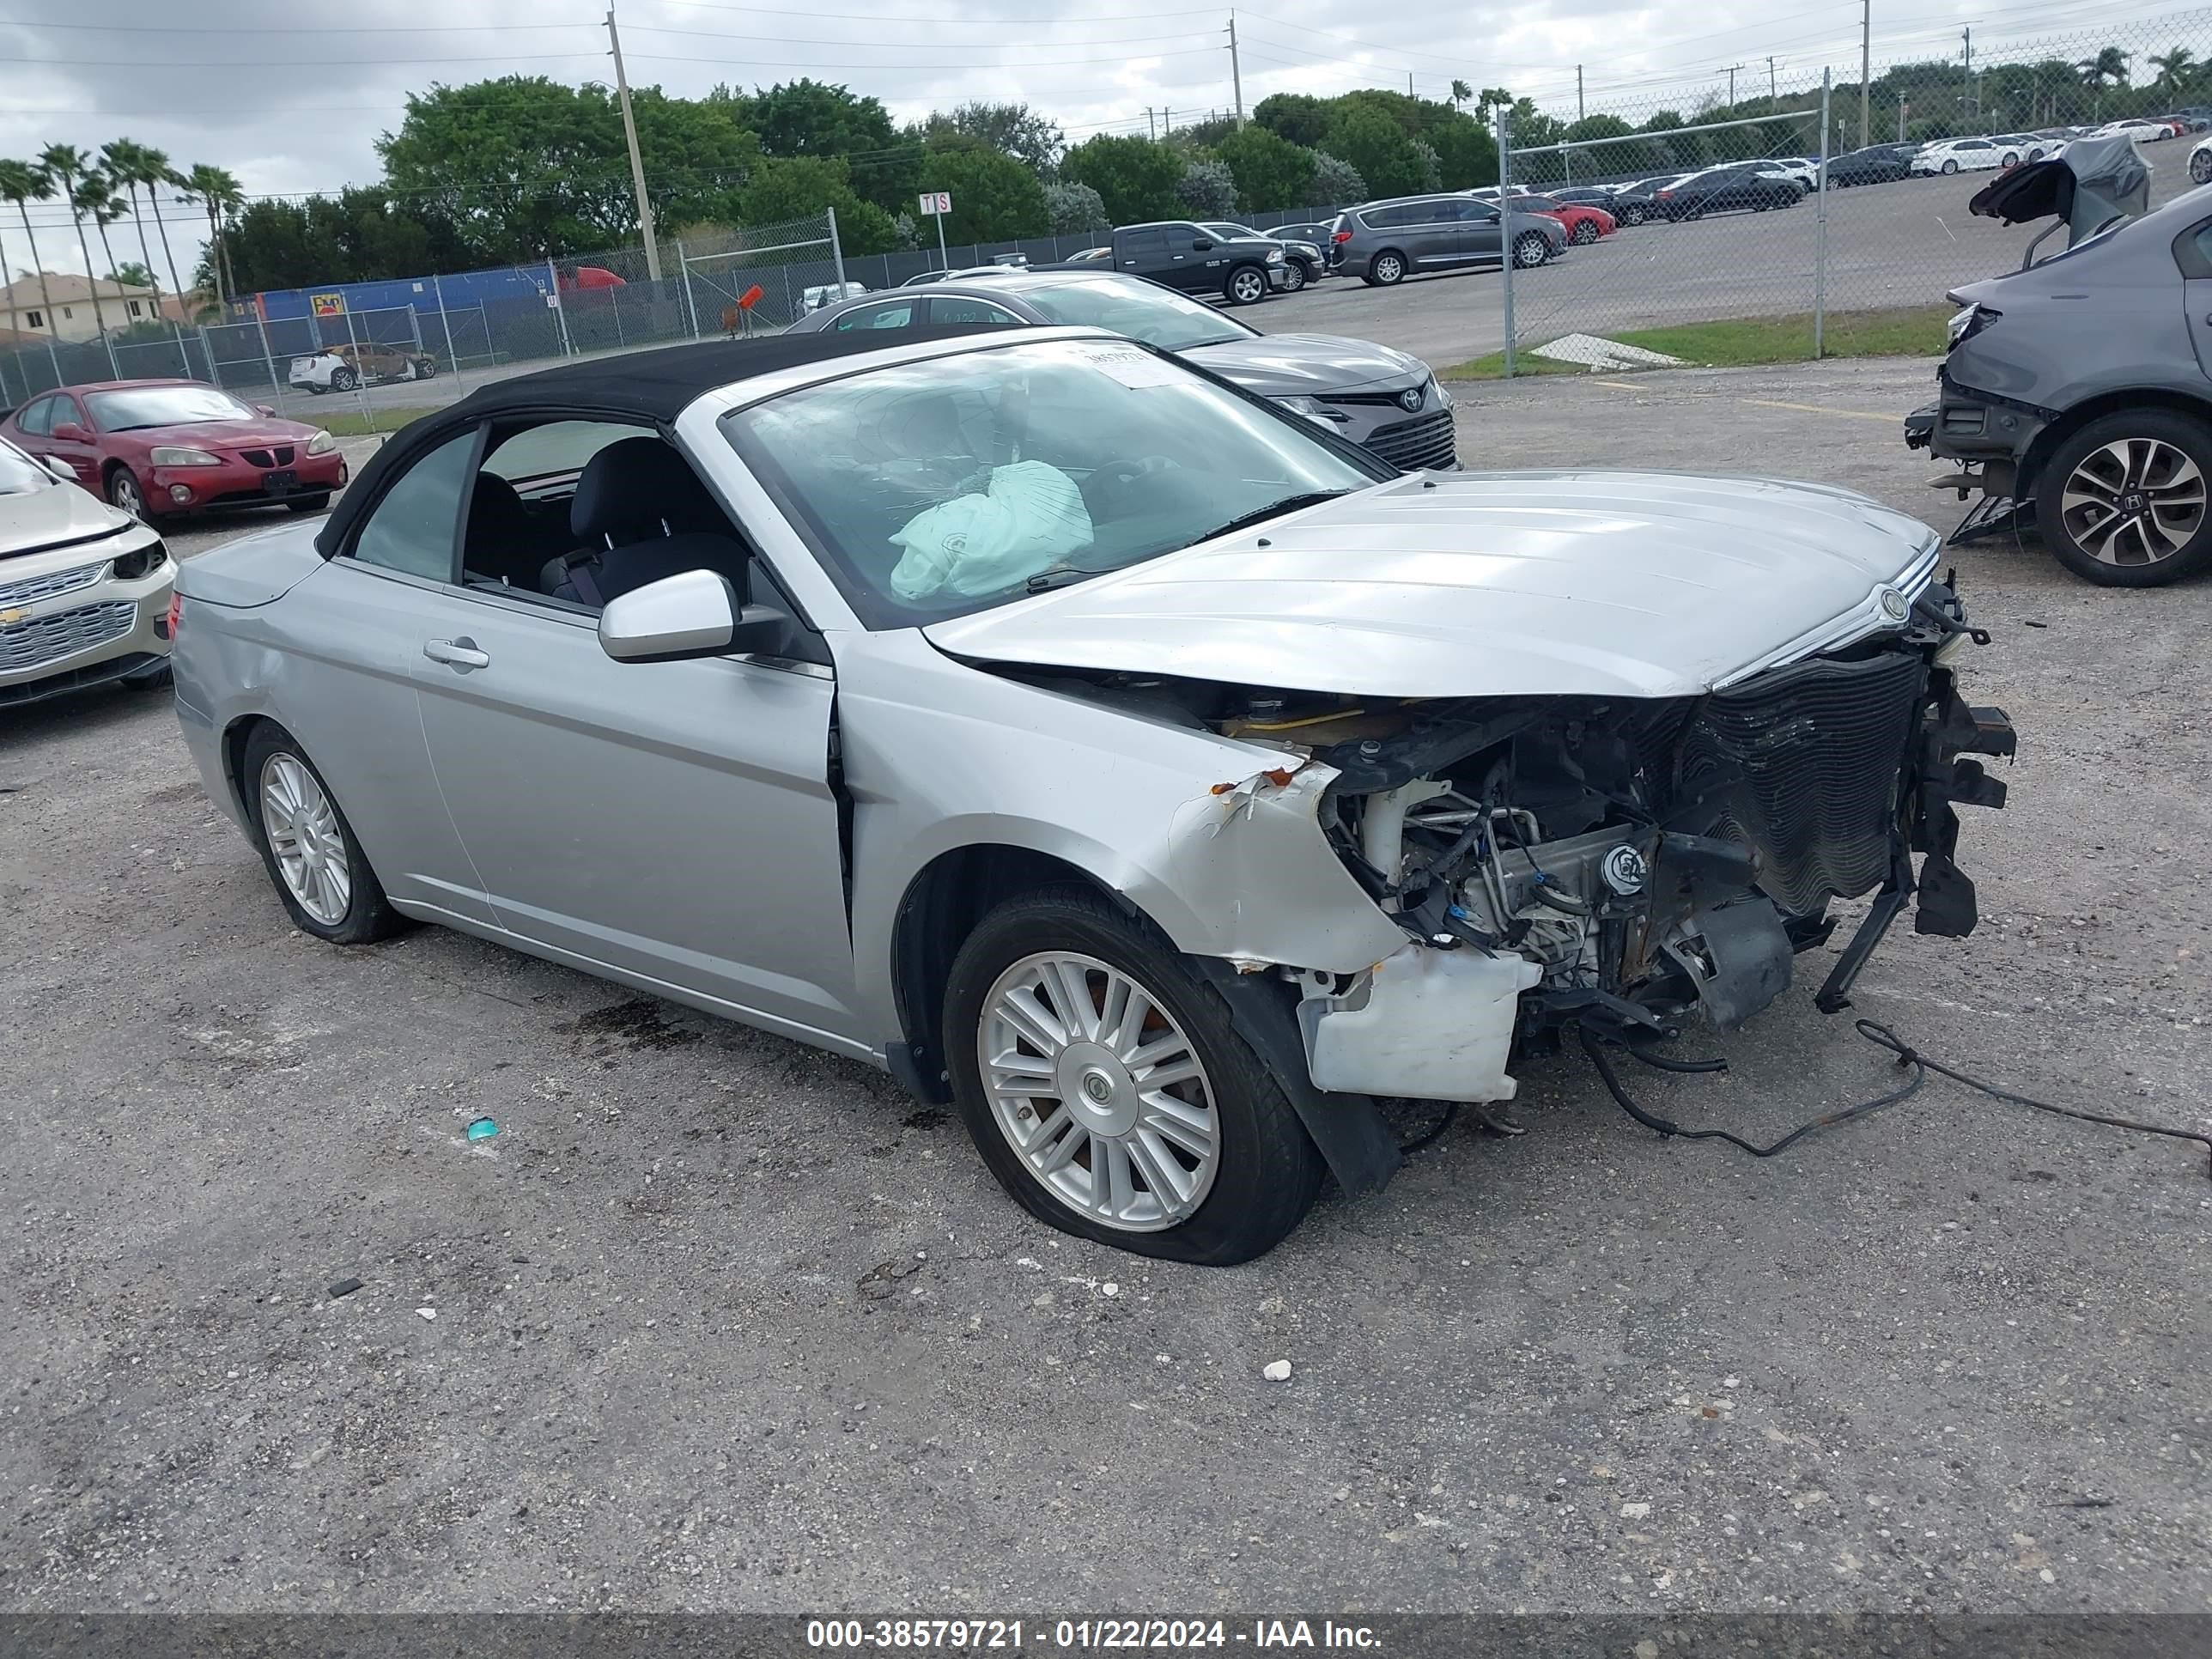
{"points": [[670, 819], [352, 627], [1482, 235]]}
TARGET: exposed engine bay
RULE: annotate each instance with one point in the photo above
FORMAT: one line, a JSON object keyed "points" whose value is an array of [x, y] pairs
{"points": [[1624, 864]]}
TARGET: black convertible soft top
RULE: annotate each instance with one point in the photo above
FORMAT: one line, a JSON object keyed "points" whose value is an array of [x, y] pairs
{"points": [[654, 386]]}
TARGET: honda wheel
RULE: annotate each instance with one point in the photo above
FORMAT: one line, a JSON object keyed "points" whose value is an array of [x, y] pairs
{"points": [[2122, 502]]}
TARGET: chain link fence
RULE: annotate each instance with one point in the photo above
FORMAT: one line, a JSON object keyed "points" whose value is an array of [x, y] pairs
{"points": [[1721, 216]]}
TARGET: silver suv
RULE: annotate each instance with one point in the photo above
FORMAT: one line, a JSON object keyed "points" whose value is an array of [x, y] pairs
{"points": [[1386, 242]]}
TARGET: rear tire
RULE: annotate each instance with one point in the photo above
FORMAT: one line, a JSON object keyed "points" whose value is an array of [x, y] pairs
{"points": [[1235, 1168], [2150, 469], [2200, 168], [1387, 269], [343, 379], [1950, 165], [314, 837], [1583, 233], [1631, 216]]}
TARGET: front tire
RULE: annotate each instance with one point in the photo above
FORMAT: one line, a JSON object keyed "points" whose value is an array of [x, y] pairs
{"points": [[124, 491], [317, 867], [1634, 216], [1246, 286], [1530, 249], [2200, 168], [2124, 502], [1108, 1090], [1386, 269], [424, 368], [1294, 276], [1950, 166]]}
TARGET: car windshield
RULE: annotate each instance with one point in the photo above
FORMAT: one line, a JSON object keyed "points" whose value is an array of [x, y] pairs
{"points": [[163, 405], [934, 488], [18, 473], [1137, 311]]}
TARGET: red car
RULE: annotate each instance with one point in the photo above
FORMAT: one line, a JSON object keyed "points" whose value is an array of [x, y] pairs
{"points": [[156, 447], [1584, 224]]}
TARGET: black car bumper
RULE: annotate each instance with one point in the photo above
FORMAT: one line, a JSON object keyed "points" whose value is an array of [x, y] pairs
{"points": [[1974, 427]]}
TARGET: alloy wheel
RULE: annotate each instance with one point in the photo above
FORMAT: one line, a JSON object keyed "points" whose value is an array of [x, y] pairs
{"points": [[123, 490], [2200, 168], [1099, 1091], [2134, 502], [1389, 268], [1248, 286], [302, 830], [1531, 251]]}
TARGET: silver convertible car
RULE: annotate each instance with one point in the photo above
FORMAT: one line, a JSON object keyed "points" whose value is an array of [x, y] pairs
{"points": [[1088, 742]]}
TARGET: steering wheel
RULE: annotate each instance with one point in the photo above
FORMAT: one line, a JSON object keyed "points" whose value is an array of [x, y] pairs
{"points": [[1111, 483]]}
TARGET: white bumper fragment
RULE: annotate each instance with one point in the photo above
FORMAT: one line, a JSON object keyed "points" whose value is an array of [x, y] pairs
{"points": [[1424, 1024]]}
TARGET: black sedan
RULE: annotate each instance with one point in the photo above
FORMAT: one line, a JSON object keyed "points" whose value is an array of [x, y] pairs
{"points": [[1877, 164], [1741, 187]]}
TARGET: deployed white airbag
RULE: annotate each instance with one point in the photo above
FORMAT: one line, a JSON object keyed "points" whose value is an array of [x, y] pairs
{"points": [[1031, 519]]}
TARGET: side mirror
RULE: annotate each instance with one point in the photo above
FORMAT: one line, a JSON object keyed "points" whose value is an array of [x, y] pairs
{"points": [[262, 409], [68, 432], [1201, 246], [698, 613], [60, 468]]}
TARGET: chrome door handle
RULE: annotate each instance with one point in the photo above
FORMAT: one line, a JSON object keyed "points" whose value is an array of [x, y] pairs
{"points": [[460, 654]]}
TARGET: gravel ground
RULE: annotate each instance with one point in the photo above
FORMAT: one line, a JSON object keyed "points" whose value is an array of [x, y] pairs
{"points": [[720, 1322]]}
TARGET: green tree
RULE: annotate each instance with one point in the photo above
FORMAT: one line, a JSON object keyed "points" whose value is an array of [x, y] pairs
{"points": [[2110, 65], [1270, 171], [1466, 155], [1336, 183], [527, 168], [359, 235], [220, 195], [1136, 178], [1378, 146], [135, 273], [1015, 130], [132, 165], [800, 187], [24, 183], [1461, 92], [96, 197], [2177, 67], [1207, 190], [70, 169], [1294, 115], [810, 117], [994, 198], [1073, 210]]}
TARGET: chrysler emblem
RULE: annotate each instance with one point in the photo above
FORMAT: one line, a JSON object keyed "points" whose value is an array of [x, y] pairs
{"points": [[1410, 398], [1894, 605]]}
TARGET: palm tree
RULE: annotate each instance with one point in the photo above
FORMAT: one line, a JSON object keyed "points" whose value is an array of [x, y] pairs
{"points": [[218, 192], [2110, 64], [96, 195], [24, 183], [70, 168], [160, 173], [2176, 67], [125, 161], [1461, 92]]}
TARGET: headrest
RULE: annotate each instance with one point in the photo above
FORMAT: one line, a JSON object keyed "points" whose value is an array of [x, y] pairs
{"points": [[633, 487]]}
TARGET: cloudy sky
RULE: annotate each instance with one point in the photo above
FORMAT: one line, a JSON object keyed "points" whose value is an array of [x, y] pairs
{"points": [[290, 104]]}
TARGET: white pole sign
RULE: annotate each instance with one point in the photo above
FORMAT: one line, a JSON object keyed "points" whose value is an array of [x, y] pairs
{"points": [[937, 201]]}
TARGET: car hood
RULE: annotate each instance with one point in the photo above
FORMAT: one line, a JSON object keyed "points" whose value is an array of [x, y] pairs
{"points": [[36, 519], [1511, 584], [1282, 365], [223, 435]]}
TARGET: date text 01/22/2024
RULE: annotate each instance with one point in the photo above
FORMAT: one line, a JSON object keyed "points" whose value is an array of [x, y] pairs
{"points": [[1007, 1635]]}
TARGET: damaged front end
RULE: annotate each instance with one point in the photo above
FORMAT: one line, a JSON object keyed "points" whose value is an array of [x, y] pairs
{"points": [[1625, 864]]}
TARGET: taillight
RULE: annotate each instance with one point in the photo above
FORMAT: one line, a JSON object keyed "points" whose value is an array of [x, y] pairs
{"points": [[1340, 236], [176, 610]]}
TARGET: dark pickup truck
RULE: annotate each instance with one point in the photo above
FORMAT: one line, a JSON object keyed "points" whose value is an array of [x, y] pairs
{"points": [[1243, 270]]}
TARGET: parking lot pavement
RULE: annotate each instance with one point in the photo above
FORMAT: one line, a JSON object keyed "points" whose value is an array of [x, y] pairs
{"points": [[723, 1323]]}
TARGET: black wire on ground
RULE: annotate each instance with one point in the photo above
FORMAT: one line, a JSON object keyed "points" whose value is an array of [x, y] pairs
{"points": [[1882, 1037], [1430, 1137]]}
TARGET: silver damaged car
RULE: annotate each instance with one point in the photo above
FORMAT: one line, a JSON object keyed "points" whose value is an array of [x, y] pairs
{"points": [[1094, 744]]}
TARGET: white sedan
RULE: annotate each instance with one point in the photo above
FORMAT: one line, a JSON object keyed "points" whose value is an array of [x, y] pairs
{"points": [[1961, 155], [2143, 132]]}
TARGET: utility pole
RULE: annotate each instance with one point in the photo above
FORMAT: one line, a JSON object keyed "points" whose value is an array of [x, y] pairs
{"points": [[1152, 126], [1732, 69], [636, 162], [1582, 111], [1409, 83], [1866, 69], [1235, 71], [1903, 105], [1772, 96], [1970, 67]]}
